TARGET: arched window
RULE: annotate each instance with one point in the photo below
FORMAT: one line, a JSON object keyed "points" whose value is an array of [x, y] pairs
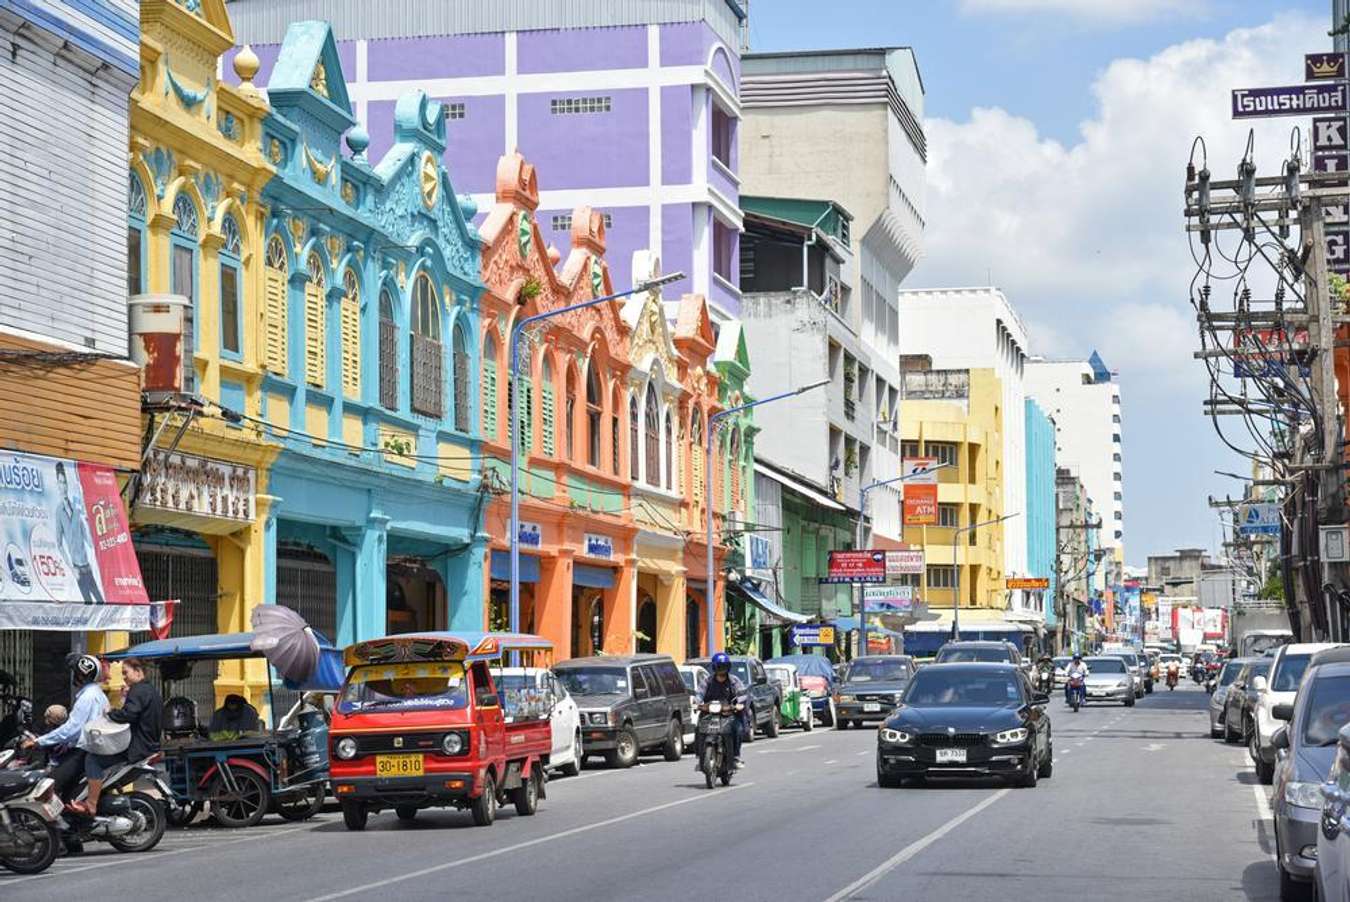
{"points": [[388, 351], [546, 410], [275, 290], [231, 306], [460, 349], [570, 414], [696, 455], [316, 325], [693, 631], [652, 429], [633, 445], [138, 213], [427, 373], [593, 415], [646, 625], [670, 451], [520, 388], [490, 387], [615, 407], [349, 321], [183, 277]]}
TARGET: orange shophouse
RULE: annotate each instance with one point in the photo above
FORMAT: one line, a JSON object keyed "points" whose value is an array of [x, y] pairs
{"points": [[577, 565]]}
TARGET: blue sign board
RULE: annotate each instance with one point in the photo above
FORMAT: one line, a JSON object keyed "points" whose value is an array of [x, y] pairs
{"points": [[759, 553], [804, 635], [1291, 100], [599, 546], [1261, 519]]}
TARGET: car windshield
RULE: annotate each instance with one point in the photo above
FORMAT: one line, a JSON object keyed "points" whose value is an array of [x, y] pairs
{"points": [[1062, 661], [1105, 665], [1130, 660], [1259, 668], [779, 676], [1169, 659], [1260, 645], [741, 671], [435, 684], [688, 677], [962, 688], [594, 680], [1289, 673], [513, 682], [1328, 710], [972, 654], [866, 671], [1229, 673]]}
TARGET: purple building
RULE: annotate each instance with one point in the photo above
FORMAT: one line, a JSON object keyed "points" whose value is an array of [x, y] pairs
{"points": [[630, 106]]}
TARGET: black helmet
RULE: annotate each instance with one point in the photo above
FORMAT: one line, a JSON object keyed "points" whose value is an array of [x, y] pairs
{"points": [[84, 668]]}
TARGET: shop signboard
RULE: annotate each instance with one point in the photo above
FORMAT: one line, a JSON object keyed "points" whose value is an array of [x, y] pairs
{"points": [[1259, 519], [599, 546], [1289, 100], [188, 484], [530, 535], [1027, 582], [905, 562], [760, 553], [920, 491], [856, 567], [66, 558], [888, 599], [804, 635]]}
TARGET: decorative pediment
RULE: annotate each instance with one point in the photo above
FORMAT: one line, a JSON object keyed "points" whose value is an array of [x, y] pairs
{"points": [[732, 355], [517, 184], [644, 313], [307, 81], [693, 327]]}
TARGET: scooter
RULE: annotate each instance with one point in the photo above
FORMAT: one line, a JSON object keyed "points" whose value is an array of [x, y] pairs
{"points": [[16, 711], [30, 817], [1172, 678], [715, 723], [1076, 692]]}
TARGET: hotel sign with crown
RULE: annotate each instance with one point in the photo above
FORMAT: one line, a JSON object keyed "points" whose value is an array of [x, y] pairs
{"points": [[1290, 100], [1331, 153], [1323, 66]]}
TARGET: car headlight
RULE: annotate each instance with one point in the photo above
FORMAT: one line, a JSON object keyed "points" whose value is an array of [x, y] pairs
{"points": [[1011, 737], [895, 737], [452, 743], [345, 748], [846, 698], [1303, 795], [1123, 684]]}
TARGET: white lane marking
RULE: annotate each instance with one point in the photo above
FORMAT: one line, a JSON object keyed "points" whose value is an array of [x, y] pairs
{"points": [[506, 850], [1262, 803], [864, 752], [831, 761], [151, 856], [913, 849], [804, 748], [1154, 747]]}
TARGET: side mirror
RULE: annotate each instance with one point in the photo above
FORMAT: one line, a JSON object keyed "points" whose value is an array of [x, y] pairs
{"points": [[1280, 741], [489, 701], [1259, 683], [1283, 712], [1040, 699]]}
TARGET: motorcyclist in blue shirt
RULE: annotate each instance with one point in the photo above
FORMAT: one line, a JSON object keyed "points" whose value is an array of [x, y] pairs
{"points": [[725, 688], [68, 738]]}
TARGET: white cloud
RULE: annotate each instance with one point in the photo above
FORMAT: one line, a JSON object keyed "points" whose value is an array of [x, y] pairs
{"points": [[1106, 11], [1086, 237]]}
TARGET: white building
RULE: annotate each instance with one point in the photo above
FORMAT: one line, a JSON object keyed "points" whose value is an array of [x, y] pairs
{"points": [[847, 126], [977, 327], [1083, 397]]}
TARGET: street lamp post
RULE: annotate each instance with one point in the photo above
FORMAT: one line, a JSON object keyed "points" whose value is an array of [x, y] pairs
{"points": [[713, 421], [517, 332], [956, 569], [862, 512]]}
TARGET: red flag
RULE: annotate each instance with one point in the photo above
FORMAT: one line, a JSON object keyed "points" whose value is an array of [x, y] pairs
{"points": [[161, 617]]}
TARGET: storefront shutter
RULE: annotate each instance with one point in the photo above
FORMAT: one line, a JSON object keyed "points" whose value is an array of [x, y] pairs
{"points": [[274, 320], [350, 321]]}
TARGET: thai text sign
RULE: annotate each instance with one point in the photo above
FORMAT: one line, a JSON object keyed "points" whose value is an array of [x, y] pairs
{"points": [[66, 558], [599, 546], [188, 484], [1290, 100], [1027, 582], [921, 504], [856, 567], [905, 562], [1259, 519], [804, 635], [892, 599]]}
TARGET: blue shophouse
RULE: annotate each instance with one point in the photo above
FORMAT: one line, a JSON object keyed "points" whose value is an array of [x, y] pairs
{"points": [[1041, 515], [368, 313]]}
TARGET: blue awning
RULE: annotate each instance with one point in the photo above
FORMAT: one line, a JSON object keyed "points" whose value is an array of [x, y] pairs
{"points": [[849, 624], [594, 577], [501, 567], [751, 593]]}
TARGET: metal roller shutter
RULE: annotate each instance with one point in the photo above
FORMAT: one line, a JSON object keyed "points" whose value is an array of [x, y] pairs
{"points": [[189, 575]]}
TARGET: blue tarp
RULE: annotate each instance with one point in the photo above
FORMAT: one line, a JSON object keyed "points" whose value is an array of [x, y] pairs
{"points": [[501, 567], [808, 665], [594, 577]]}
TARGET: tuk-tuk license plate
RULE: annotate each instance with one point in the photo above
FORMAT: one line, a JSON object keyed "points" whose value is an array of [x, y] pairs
{"points": [[398, 766], [951, 756], [869, 707]]}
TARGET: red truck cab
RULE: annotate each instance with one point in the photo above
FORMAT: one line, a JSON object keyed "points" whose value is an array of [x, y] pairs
{"points": [[419, 724]]}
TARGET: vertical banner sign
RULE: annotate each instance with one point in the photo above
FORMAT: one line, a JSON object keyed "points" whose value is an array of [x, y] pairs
{"points": [[66, 558], [1331, 153], [920, 491]]}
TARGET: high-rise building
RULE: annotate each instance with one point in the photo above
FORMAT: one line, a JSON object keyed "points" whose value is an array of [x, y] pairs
{"points": [[978, 327], [1083, 398], [630, 106], [846, 126]]}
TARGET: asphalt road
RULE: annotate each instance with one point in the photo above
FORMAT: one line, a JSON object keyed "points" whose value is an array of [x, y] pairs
{"points": [[1143, 805]]}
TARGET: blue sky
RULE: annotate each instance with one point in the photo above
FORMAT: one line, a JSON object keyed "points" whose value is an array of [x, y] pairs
{"points": [[1058, 133]]}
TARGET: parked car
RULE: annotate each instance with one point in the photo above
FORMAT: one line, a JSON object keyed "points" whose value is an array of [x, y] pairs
{"points": [[1109, 680], [818, 677], [1218, 699], [1240, 702], [870, 689], [965, 720], [1331, 876], [983, 651], [794, 709], [1286, 671], [764, 698], [1306, 747], [629, 704], [537, 689], [695, 679]]}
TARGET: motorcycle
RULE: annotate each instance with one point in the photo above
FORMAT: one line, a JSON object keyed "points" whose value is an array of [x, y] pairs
{"points": [[1076, 692], [1173, 676], [715, 723], [16, 711], [30, 815], [1045, 680], [1211, 682]]}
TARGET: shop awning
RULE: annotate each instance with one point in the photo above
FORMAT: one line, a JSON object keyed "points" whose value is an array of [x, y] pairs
{"points": [[594, 577], [501, 567], [751, 593], [975, 620], [800, 488]]}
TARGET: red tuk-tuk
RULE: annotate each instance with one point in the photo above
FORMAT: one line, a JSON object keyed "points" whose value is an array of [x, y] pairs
{"points": [[419, 724]]}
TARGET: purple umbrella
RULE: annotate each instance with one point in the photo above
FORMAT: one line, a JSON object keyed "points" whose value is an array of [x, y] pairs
{"points": [[285, 640]]}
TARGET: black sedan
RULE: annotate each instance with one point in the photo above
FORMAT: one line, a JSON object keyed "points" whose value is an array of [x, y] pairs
{"points": [[967, 720]]}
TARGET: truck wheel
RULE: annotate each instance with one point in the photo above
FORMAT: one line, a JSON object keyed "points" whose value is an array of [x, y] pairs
{"points": [[406, 813], [573, 767], [355, 815], [484, 807], [526, 796], [673, 750], [771, 729], [625, 751]]}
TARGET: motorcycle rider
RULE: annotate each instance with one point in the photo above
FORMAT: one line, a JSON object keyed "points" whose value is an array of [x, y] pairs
{"points": [[1076, 670], [725, 688], [90, 704], [143, 709]]}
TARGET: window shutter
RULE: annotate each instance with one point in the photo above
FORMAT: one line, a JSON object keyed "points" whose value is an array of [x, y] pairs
{"points": [[316, 357], [274, 321], [546, 418], [489, 399], [351, 347]]}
